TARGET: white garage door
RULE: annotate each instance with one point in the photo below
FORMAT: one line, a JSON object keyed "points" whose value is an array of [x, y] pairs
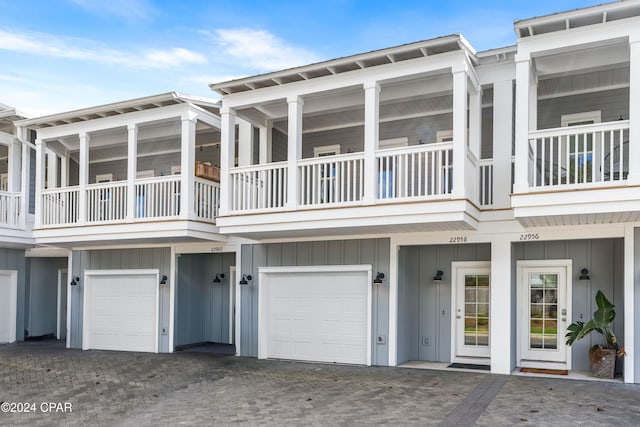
{"points": [[315, 316], [121, 310], [8, 306]]}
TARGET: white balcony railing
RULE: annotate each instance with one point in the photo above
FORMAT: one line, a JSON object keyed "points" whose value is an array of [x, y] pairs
{"points": [[60, 206], [9, 209], [579, 156], [106, 203], [207, 199], [259, 187], [335, 180], [485, 188], [157, 197], [415, 172]]}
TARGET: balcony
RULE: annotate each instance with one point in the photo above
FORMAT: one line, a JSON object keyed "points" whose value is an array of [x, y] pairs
{"points": [[10, 214]]}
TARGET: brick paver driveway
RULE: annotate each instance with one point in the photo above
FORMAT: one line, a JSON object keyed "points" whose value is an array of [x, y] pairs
{"points": [[191, 388]]}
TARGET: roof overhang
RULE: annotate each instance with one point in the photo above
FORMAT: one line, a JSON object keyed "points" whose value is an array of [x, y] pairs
{"points": [[390, 55]]}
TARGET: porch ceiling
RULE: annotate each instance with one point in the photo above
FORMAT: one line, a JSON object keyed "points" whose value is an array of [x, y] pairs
{"points": [[580, 219], [588, 58]]}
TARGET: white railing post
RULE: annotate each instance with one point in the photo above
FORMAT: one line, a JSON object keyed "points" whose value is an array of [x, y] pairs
{"points": [[83, 163], [460, 94], [524, 121], [371, 139], [502, 142], [132, 166], [188, 165], [227, 157], [634, 111], [39, 181], [294, 151]]}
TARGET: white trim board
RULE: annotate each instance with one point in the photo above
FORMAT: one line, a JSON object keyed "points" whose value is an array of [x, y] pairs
{"points": [[13, 303]]}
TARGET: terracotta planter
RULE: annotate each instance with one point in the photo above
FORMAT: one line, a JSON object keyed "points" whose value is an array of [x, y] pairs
{"points": [[603, 362]]}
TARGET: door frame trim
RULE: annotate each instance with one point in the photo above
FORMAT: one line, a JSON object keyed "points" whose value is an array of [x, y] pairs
{"points": [[520, 265], [58, 310], [262, 277], [13, 303], [455, 266]]}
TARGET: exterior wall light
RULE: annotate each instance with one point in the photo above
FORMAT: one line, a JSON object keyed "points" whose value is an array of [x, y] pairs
{"points": [[245, 278], [439, 276], [218, 278], [378, 279], [584, 274], [74, 280], [163, 279]]}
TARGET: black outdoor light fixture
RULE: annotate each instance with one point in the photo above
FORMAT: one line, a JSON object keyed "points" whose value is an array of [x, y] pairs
{"points": [[218, 278], [163, 279], [74, 280], [584, 274], [378, 279], [439, 275], [245, 278]]}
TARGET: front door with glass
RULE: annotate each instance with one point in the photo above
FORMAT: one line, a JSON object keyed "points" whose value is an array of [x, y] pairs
{"points": [[542, 293], [472, 303]]}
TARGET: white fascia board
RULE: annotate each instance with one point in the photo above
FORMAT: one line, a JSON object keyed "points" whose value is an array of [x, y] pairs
{"points": [[136, 117], [349, 79], [572, 38], [205, 116], [46, 252], [497, 72], [6, 139]]}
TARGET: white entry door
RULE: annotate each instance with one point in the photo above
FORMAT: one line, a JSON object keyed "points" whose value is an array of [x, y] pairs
{"points": [[472, 308], [543, 301], [8, 305]]}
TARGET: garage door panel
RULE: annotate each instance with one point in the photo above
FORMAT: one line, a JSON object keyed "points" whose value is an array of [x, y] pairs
{"points": [[317, 316], [122, 312]]}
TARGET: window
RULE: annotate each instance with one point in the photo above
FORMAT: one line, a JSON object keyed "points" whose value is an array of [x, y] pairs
{"points": [[175, 170], [326, 150], [105, 177], [444, 136]]}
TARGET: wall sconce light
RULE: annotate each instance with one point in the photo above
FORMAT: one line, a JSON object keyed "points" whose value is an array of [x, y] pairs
{"points": [[218, 278], [163, 279], [378, 279], [620, 118], [74, 280], [584, 274], [439, 275], [245, 278]]}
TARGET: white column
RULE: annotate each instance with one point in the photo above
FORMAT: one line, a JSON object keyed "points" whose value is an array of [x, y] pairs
{"points": [[265, 142], [188, 165], [502, 140], [25, 184], [634, 112], [523, 92], [629, 304], [64, 169], [40, 147], [83, 177], [52, 169], [459, 131], [294, 148], [132, 167], [371, 140], [501, 314], [475, 121], [13, 167], [245, 143], [227, 157]]}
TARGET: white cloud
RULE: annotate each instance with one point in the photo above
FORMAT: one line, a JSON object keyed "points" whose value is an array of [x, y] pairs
{"points": [[130, 10], [43, 44], [260, 50]]}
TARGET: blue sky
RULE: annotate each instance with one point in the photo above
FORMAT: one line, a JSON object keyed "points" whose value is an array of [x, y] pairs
{"points": [[58, 55]]}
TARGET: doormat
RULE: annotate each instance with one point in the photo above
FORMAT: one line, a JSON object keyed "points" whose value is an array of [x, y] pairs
{"points": [[545, 371], [470, 366]]}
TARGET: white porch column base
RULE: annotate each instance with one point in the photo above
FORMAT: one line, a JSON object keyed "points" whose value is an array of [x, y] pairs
{"points": [[502, 318]]}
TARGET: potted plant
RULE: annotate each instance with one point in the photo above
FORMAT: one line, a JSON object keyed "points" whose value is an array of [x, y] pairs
{"points": [[602, 357]]}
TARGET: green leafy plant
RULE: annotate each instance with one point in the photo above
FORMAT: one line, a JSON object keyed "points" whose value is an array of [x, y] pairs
{"points": [[601, 322]]}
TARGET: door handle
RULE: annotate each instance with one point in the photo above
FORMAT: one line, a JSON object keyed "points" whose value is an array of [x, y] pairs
{"points": [[564, 319], [459, 317]]}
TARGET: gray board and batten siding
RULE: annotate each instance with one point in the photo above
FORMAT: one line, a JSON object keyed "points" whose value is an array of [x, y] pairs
{"points": [[604, 258], [424, 305], [14, 259], [119, 259], [336, 252], [202, 306]]}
